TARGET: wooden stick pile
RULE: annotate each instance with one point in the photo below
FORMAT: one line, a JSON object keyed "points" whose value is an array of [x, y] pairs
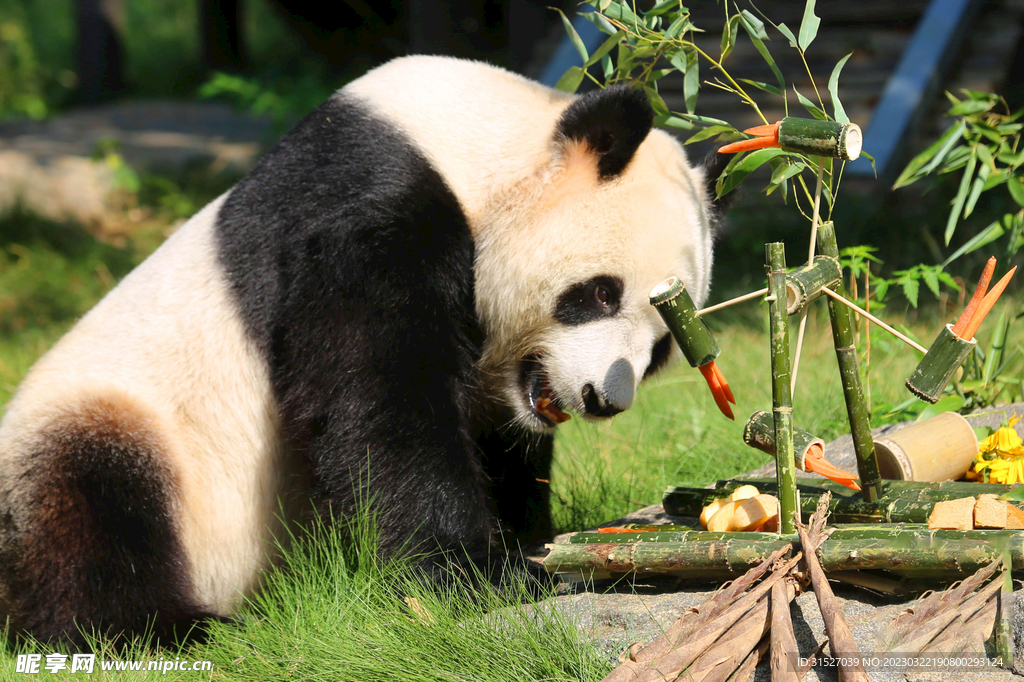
{"points": [[958, 620], [723, 639]]}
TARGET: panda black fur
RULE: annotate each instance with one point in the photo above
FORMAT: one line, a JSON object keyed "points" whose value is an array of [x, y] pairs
{"points": [[398, 303]]}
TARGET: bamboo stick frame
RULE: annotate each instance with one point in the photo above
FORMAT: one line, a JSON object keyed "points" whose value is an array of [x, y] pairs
{"points": [[849, 373], [782, 400]]}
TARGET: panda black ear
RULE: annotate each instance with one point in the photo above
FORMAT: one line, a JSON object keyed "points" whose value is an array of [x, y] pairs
{"points": [[612, 122]]}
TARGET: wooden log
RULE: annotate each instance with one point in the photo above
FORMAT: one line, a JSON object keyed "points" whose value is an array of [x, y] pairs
{"points": [[849, 374], [782, 399], [676, 307], [821, 138], [940, 363], [805, 284], [759, 433]]}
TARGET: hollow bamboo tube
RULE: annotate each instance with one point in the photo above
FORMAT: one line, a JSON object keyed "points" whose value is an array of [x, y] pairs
{"points": [[849, 373], [680, 314], [805, 285], [759, 433], [922, 553], [782, 400], [823, 138], [939, 364]]}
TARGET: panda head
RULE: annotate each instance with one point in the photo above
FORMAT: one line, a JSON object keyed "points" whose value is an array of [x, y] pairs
{"points": [[566, 258]]}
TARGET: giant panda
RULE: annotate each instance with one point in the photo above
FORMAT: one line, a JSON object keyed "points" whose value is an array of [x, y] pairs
{"points": [[399, 304]]}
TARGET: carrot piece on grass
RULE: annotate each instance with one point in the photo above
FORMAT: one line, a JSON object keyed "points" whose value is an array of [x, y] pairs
{"points": [[972, 305], [986, 305]]}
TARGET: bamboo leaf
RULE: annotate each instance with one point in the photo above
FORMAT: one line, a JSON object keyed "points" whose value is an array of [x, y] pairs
{"points": [[574, 38], [785, 30], [979, 183], [691, 82], [570, 80], [785, 172], [833, 89], [730, 32], [706, 120], [763, 86], [605, 48], [1016, 188], [743, 166], [657, 103], [991, 233], [618, 11], [934, 153], [755, 29], [600, 22], [810, 106], [674, 122], [662, 7], [676, 27], [969, 106], [809, 26], [710, 131], [961, 196]]}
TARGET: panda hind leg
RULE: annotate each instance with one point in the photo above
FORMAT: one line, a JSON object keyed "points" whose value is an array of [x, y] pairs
{"points": [[90, 542]]}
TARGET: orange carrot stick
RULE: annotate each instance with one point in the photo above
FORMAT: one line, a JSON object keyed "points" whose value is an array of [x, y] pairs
{"points": [[972, 305], [770, 130], [986, 305], [708, 371], [723, 383], [823, 467], [748, 145]]}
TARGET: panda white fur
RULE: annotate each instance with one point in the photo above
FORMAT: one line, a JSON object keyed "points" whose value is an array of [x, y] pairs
{"points": [[398, 303]]}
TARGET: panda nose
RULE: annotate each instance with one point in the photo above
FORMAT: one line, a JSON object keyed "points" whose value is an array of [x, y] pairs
{"points": [[595, 404]]}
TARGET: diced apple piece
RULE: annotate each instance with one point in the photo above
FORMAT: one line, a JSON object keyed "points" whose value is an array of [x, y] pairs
{"points": [[754, 511]]}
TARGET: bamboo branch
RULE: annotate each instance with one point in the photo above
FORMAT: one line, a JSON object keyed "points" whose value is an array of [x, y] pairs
{"points": [[732, 302], [782, 399], [850, 304]]}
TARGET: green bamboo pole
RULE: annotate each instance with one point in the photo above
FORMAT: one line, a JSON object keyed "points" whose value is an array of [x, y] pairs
{"points": [[680, 314], [759, 433], [939, 364], [849, 373], [782, 400], [805, 285], [912, 553], [888, 487], [909, 505], [821, 138]]}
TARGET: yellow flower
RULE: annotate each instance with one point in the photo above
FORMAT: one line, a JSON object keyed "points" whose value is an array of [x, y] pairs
{"points": [[1000, 457]]}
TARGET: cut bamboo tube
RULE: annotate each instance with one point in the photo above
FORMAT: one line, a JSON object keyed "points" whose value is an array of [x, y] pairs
{"points": [[941, 448], [821, 138], [940, 363], [939, 554], [782, 400], [784, 654], [680, 314], [759, 433], [805, 285], [843, 646], [849, 373]]}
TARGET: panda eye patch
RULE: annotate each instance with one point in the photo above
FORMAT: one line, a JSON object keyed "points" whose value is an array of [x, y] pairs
{"points": [[594, 299]]}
